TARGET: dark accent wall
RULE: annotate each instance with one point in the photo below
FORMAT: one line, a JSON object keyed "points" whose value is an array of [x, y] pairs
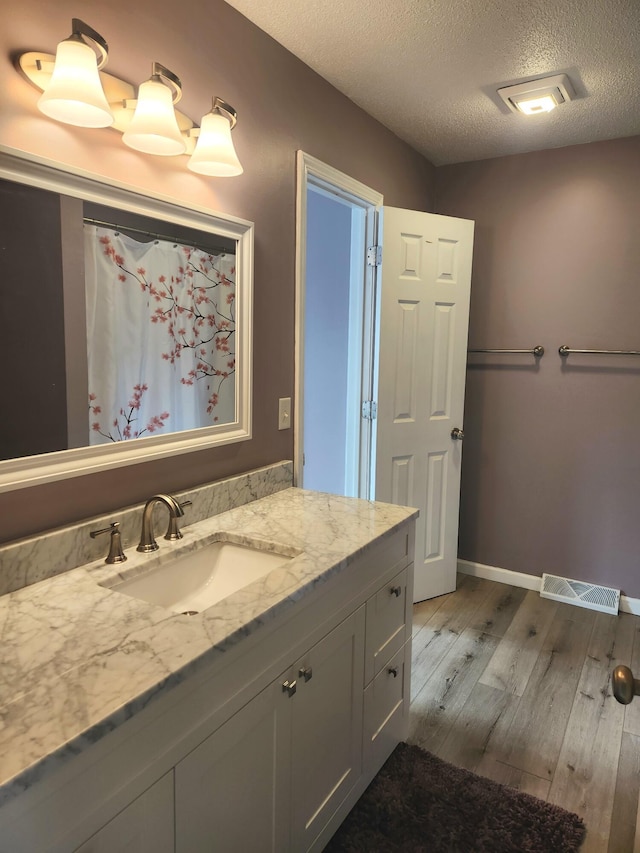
{"points": [[282, 106], [551, 465]]}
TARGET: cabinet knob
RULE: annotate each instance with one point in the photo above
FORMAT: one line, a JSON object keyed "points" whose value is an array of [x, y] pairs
{"points": [[289, 687], [393, 670], [395, 590], [306, 672]]}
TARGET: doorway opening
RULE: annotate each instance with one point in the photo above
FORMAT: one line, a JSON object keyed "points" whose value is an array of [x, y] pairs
{"points": [[336, 331]]}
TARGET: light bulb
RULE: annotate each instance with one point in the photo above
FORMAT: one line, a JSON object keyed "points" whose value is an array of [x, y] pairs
{"points": [[542, 104]]}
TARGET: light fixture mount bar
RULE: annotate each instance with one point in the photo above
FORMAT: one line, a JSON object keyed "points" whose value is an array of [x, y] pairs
{"points": [[169, 79], [98, 42]]}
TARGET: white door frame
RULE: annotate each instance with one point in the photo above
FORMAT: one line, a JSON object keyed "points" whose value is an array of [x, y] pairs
{"points": [[313, 172]]}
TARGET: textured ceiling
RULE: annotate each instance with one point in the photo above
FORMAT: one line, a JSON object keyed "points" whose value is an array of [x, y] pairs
{"points": [[429, 69]]}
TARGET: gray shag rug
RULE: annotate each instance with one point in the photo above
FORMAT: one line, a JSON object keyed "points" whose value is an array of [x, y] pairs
{"points": [[420, 804]]}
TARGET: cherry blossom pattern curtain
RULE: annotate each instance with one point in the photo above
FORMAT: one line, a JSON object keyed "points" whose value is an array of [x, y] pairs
{"points": [[160, 336]]}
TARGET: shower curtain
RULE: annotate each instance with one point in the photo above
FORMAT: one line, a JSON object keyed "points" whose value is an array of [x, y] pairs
{"points": [[160, 336]]}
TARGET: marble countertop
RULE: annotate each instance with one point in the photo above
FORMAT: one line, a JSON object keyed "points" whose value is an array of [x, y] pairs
{"points": [[78, 659]]}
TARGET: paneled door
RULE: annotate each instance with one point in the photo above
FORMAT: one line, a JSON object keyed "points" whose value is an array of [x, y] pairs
{"points": [[424, 317]]}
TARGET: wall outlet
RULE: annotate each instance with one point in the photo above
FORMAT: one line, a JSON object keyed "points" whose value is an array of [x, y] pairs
{"points": [[284, 413]]}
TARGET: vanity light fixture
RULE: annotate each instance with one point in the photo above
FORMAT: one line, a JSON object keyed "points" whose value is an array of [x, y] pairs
{"points": [[88, 97], [538, 96], [74, 94], [154, 127], [214, 153]]}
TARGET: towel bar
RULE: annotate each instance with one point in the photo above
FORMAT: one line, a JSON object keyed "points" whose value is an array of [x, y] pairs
{"points": [[537, 351], [564, 350]]}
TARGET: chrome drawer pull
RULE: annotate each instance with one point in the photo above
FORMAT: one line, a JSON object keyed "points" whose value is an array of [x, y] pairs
{"points": [[395, 590], [289, 687], [306, 672]]}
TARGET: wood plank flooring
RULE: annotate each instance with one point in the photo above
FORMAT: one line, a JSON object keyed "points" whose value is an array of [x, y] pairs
{"points": [[518, 689]]}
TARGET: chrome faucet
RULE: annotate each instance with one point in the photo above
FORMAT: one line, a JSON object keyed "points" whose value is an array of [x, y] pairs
{"points": [[147, 540]]}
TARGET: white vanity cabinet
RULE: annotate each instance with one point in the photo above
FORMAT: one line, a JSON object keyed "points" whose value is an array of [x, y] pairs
{"points": [[266, 747], [326, 760], [144, 826], [387, 669], [285, 761], [232, 791]]}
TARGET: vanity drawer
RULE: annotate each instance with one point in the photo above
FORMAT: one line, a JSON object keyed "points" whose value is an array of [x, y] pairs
{"points": [[385, 708], [386, 624]]}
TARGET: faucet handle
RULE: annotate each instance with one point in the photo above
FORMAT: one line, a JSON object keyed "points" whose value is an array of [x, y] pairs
{"points": [[116, 554], [173, 531]]}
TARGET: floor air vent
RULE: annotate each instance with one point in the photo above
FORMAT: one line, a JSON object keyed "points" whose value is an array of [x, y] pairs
{"points": [[590, 595]]}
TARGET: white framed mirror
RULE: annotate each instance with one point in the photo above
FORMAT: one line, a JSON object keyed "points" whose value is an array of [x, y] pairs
{"points": [[127, 322]]}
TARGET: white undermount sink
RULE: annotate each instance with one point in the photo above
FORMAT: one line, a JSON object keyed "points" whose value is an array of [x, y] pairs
{"points": [[194, 581]]}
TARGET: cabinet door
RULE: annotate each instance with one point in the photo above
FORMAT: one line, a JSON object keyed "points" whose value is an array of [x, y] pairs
{"points": [[232, 791], [145, 826], [327, 728]]}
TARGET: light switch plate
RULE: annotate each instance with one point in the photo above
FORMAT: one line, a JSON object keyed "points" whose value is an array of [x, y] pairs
{"points": [[284, 413]]}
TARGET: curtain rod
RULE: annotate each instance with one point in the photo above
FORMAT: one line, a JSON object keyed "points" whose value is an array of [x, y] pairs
{"points": [[156, 235]]}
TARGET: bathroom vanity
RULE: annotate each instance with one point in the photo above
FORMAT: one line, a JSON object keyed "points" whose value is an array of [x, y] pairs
{"points": [[253, 725], [135, 722]]}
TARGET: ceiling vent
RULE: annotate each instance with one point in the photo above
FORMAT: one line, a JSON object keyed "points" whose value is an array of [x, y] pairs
{"points": [[538, 96]]}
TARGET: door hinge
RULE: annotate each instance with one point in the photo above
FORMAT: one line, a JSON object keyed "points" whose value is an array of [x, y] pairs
{"points": [[369, 410], [374, 256]]}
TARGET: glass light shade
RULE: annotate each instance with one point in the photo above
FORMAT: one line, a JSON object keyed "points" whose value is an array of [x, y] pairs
{"points": [[214, 152], [154, 128], [74, 94]]}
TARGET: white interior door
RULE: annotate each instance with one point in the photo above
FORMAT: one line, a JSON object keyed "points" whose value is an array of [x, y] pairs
{"points": [[424, 317]]}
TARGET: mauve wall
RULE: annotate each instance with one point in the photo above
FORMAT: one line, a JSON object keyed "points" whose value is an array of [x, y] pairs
{"points": [[282, 106], [551, 465]]}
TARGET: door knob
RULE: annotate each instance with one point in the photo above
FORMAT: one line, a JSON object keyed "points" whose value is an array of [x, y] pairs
{"points": [[625, 686], [457, 434]]}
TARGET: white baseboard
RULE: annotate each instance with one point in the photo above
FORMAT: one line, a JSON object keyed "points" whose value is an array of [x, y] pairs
{"points": [[493, 573]]}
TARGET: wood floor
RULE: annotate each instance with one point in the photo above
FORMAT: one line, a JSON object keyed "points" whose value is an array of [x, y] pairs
{"points": [[518, 688]]}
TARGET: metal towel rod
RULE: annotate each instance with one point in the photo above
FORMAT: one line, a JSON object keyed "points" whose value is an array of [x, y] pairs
{"points": [[537, 351], [564, 350]]}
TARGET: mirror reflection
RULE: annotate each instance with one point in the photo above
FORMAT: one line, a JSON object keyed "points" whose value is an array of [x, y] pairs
{"points": [[160, 330], [117, 325]]}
